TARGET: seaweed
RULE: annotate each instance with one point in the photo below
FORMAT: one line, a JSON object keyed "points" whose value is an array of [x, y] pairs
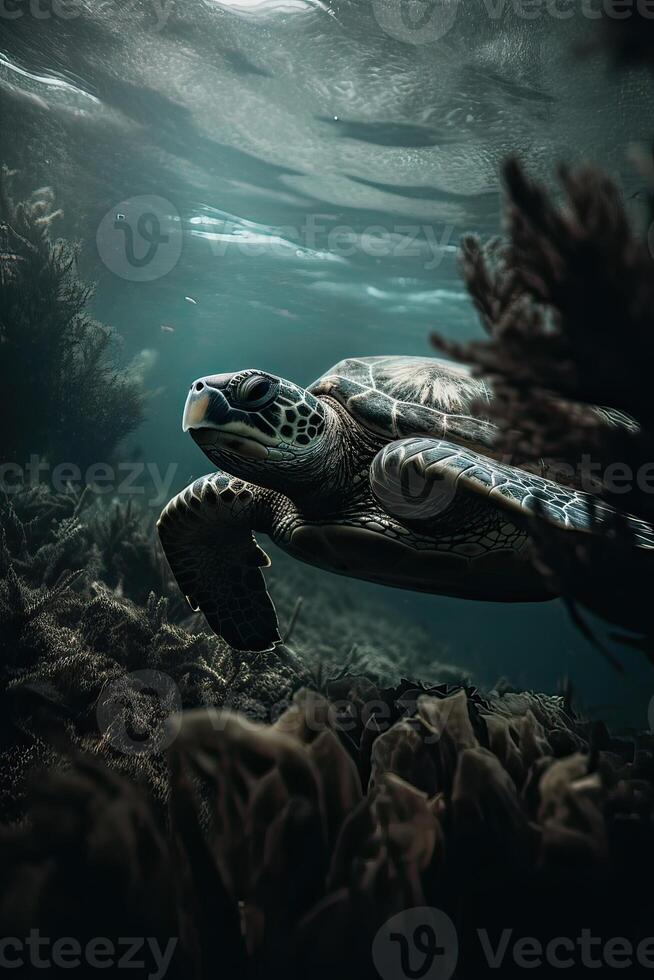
{"points": [[72, 645], [95, 853], [62, 395], [551, 298], [336, 630], [87, 601], [567, 301]]}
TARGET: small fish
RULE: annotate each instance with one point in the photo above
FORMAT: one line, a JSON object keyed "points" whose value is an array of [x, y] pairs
{"points": [[166, 328], [189, 299]]}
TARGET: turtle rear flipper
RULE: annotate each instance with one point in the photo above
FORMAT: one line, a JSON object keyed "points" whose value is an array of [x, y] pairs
{"points": [[206, 534], [426, 477]]}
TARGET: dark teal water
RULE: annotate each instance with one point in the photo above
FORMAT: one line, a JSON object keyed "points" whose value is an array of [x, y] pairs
{"points": [[314, 166]]}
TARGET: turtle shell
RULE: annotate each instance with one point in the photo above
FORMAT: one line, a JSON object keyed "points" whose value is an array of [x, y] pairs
{"points": [[403, 396]]}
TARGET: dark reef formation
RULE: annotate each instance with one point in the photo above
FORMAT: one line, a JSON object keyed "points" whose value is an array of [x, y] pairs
{"points": [[568, 304], [283, 844], [86, 600], [287, 847], [62, 396], [70, 637]]}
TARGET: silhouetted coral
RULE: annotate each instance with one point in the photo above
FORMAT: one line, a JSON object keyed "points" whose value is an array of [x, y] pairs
{"points": [[568, 303], [72, 646], [62, 395], [569, 306], [84, 608], [278, 860], [93, 861], [245, 849]]}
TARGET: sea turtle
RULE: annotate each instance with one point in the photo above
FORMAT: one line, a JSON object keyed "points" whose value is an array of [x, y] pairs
{"points": [[377, 470]]}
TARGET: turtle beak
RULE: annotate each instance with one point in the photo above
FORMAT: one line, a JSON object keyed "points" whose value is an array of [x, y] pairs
{"points": [[206, 407]]}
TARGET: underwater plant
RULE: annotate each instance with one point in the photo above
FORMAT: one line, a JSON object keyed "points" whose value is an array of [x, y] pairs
{"points": [[567, 302], [281, 834], [63, 396], [244, 840], [69, 638], [550, 298], [86, 600]]}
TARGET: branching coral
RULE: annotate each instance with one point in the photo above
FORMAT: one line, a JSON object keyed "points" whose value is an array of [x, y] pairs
{"points": [[62, 396], [568, 303], [85, 603], [277, 839], [252, 850], [70, 643], [569, 306]]}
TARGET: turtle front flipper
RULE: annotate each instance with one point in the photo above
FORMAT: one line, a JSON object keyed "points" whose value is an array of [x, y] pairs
{"points": [[423, 479], [206, 534]]}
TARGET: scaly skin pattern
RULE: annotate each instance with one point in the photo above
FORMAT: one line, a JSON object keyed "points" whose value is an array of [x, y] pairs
{"points": [[317, 478], [467, 547], [471, 550], [206, 533], [221, 499]]}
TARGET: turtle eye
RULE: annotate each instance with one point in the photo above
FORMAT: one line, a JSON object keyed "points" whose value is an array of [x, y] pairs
{"points": [[255, 391]]}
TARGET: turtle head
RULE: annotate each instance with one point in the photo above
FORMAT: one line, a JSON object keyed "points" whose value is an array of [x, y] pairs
{"points": [[255, 425]]}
